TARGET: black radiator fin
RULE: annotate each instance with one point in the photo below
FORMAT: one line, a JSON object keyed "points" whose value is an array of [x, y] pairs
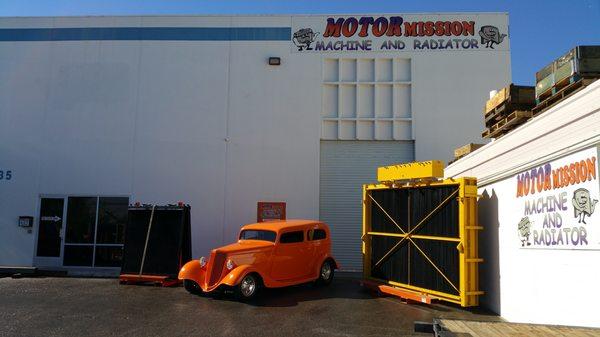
{"points": [[445, 221], [169, 242], [405, 264], [445, 256], [388, 200]]}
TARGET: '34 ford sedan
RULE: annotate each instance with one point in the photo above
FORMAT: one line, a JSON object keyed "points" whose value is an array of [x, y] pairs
{"points": [[270, 254]]}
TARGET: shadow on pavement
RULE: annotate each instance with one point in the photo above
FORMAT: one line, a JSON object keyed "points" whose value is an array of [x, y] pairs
{"points": [[342, 288], [290, 296]]}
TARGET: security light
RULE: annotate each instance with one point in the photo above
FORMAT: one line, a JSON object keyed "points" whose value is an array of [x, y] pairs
{"points": [[274, 61]]}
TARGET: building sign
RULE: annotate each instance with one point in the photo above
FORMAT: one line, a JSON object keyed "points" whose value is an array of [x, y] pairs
{"points": [[558, 204], [395, 33]]}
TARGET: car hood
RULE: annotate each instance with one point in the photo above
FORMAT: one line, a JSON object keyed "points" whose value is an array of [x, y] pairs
{"points": [[245, 245]]}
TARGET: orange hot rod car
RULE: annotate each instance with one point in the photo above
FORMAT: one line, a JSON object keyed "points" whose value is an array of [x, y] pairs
{"points": [[270, 254]]}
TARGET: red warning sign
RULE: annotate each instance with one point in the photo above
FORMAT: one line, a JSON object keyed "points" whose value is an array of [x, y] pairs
{"points": [[270, 211]]}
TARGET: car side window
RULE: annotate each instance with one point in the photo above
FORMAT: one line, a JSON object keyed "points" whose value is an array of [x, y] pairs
{"points": [[292, 237], [316, 234]]}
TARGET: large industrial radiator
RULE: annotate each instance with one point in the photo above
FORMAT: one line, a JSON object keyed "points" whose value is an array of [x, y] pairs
{"points": [[420, 235]]}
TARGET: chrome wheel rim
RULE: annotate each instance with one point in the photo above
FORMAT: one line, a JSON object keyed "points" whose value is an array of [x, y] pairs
{"points": [[248, 286], [326, 271]]}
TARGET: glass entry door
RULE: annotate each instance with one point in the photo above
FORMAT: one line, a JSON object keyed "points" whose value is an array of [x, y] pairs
{"points": [[81, 231], [50, 232]]}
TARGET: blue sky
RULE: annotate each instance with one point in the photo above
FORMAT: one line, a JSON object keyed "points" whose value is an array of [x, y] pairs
{"points": [[540, 30]]}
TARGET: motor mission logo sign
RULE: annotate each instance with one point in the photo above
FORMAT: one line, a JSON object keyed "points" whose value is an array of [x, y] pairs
{"points": [[400, 33], [557, 204]]}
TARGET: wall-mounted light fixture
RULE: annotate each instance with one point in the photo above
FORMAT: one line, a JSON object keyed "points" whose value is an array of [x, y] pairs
{"points": [[274, 61]]}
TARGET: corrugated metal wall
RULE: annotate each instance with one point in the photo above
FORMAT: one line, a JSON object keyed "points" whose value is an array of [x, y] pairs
{"points": [[345, 166]]}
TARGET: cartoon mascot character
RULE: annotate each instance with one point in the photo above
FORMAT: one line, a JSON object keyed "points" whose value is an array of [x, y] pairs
{"points": [[490, 35], [524, 231], [583, 204], [303, 38]]}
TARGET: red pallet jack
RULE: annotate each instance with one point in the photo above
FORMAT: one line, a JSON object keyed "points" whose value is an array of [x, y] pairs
{"points": [[159, 280], [405, 294]]}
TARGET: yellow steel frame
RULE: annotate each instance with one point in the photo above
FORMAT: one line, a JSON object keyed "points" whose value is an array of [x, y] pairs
{"points": [[467, 243], [421, 170]]}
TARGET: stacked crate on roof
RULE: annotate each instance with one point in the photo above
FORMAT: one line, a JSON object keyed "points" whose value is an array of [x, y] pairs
{"points": [[565, 76], [465, 150], [507, 109]]}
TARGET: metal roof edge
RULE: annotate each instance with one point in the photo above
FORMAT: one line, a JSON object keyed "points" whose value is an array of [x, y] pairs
{"points": [[281, 15]]}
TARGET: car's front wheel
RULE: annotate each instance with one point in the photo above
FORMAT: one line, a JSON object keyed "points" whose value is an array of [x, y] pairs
{"points": [[192, 287], [326, 273], [248, 287]]}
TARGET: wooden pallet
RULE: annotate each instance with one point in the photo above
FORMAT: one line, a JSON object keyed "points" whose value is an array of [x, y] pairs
{"points": [[556, 87], [507, 124], [502, 111], [464, 150], [561, 94], [495, 115], [520, 96], [458, 327]]}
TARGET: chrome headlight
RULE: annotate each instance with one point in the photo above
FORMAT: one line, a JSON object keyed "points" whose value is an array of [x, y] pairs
{"points": [[202, 261], [229, 264]]}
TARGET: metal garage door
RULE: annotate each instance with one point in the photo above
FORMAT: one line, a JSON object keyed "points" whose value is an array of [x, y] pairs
{"points": [[345, 166]]}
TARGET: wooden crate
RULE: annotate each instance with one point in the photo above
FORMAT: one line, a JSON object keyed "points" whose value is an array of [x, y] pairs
{"points": [[466, 149], [511, 98], [559, 93], [579, 62]]}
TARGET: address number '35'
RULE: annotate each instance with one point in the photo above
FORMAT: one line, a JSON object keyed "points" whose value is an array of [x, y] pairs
{"points": [[5, 175]]}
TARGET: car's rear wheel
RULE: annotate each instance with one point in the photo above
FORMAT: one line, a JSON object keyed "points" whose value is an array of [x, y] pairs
{"points": [[326, 273], [248, 287], [192, 287]]}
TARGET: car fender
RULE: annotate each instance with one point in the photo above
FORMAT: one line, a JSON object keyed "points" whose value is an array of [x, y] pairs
{"points": [[192, 271], [336, 265], [237, 274]]}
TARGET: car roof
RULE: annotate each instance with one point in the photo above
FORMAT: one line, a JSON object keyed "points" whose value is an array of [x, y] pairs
{"points": [[280, 225]]}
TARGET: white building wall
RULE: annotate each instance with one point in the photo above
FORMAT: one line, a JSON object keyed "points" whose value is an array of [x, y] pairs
{"points": [[273, 131], [180, 131], [205, 122], [534, 285], [210, 124], [449, 92]]}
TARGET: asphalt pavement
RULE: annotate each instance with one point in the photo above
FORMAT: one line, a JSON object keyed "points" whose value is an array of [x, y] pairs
{"points": [[65, 306]]}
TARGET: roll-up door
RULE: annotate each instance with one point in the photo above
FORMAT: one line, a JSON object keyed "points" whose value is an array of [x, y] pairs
{"points": [[345, 166]]}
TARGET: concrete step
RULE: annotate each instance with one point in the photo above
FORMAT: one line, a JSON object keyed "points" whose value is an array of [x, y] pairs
{"points": [[12, 270], [26, 271]]}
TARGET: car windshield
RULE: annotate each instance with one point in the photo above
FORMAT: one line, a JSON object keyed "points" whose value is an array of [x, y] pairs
{"points": [[253, 234]]}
